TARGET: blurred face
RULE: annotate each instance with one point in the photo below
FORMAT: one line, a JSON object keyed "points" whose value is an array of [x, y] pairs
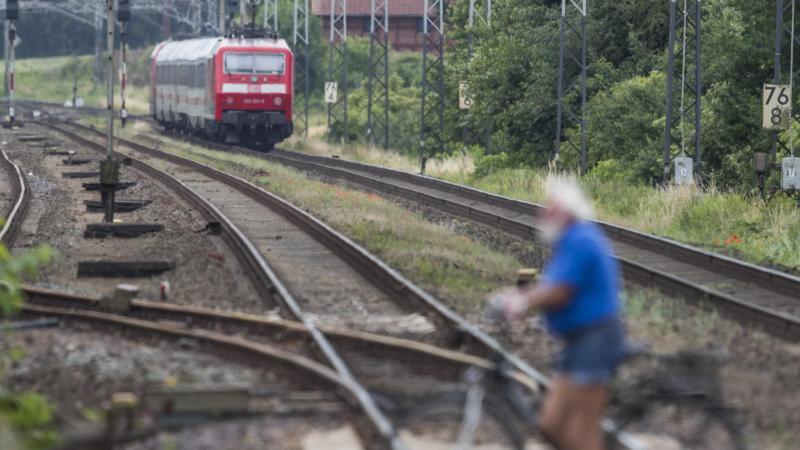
{"points": [[554, 221]]}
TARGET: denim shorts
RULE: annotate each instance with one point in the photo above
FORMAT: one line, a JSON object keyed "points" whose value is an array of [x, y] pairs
{"points": [[591, 354]]}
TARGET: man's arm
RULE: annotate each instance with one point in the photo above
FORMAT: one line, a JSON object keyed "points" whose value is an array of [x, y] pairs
{"points": [[548, 296]]}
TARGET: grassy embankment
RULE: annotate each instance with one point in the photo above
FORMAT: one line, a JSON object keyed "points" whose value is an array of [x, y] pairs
{"points": [[52, 79]]}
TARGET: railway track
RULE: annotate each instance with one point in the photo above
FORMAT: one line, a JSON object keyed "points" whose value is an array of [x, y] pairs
{"points": [[748, 293], [221, 195], [416, 369], [15, 185]]}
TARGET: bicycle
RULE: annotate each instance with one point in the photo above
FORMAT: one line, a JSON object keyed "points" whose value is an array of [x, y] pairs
{"points": [[675, 403]]}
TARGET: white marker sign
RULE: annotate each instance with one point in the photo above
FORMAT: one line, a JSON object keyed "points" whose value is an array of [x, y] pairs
{"points": [[777, 103], [464, 99], [331, 91]]}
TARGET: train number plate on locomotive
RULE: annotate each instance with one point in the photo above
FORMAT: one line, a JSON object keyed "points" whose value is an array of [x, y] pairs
{"points": [[254, 101]]}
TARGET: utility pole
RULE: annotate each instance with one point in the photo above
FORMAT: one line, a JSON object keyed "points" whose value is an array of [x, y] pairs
{"points": [[337, 67], [166, 22], [12, 36], [222, 20], [98, 42], [12, 14], [572, 79], [109, 168], [689, 86], [123, 15], [75, 64], [378, 84], [432, 102], [301, 75], [7, 25]]}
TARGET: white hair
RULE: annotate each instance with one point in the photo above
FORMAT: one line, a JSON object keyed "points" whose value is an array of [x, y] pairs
{"points": [[569, 196]]}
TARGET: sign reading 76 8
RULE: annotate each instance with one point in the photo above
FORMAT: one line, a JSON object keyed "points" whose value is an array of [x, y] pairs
{"points": [[777, 103]]}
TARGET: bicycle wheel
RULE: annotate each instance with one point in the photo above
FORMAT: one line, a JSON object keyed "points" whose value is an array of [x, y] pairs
{"points": [[680, 425], [439, 424]]}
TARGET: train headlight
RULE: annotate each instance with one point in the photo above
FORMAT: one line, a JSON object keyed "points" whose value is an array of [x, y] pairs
{"points": [[229, 100], [278, 101]]}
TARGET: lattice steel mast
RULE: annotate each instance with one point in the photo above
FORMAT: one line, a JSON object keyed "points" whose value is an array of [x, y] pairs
{"points": [[378, 84], [432, 104], [337, 64], [271, 15], [782, 29], [688, 24], [486, 17], [572, 79], [302, 85]]}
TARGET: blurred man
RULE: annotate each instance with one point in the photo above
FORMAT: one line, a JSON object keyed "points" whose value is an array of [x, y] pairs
{"points": [[579, 296]]}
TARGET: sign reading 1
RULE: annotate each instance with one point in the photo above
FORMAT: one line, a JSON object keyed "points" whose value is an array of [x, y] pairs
{"points": [[777, 106]]}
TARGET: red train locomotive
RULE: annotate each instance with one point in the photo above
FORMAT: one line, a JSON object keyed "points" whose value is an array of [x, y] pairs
{"points": [[236, 90]]}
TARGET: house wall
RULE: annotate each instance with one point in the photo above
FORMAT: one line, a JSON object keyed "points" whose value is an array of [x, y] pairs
{"points": [[404, 32]]}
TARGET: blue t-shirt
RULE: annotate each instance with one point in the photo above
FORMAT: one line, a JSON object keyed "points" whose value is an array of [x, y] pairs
{"points": [[583, 260]]}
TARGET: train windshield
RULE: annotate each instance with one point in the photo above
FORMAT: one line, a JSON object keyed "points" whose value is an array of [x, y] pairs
{"points": [[250, 63]]}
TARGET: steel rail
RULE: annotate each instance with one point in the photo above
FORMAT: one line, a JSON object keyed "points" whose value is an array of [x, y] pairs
{"points": [[243, 323], [260, 350], [367, 403], [21, 191]]}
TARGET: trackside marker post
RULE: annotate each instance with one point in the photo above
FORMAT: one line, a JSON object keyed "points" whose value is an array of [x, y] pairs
{"points": [[109, 168], [12, 14]]}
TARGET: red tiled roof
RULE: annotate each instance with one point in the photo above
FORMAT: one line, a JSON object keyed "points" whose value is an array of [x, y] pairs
{"points": [[362, 7]]}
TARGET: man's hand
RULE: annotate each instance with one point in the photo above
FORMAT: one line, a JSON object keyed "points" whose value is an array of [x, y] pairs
{"points": [[511, 301]]}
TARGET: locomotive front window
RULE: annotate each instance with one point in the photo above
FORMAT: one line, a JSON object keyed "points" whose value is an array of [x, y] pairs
{"points": [[254, 63]]}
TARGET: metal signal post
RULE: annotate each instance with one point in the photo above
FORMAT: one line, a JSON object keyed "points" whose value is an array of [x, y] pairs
{"points": [[109, 168], [378, 85], [572, 79], [337, 66], [688, 25], [124, 15], [432, 104], [301, 57], [12, 14], [12, 36]]}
